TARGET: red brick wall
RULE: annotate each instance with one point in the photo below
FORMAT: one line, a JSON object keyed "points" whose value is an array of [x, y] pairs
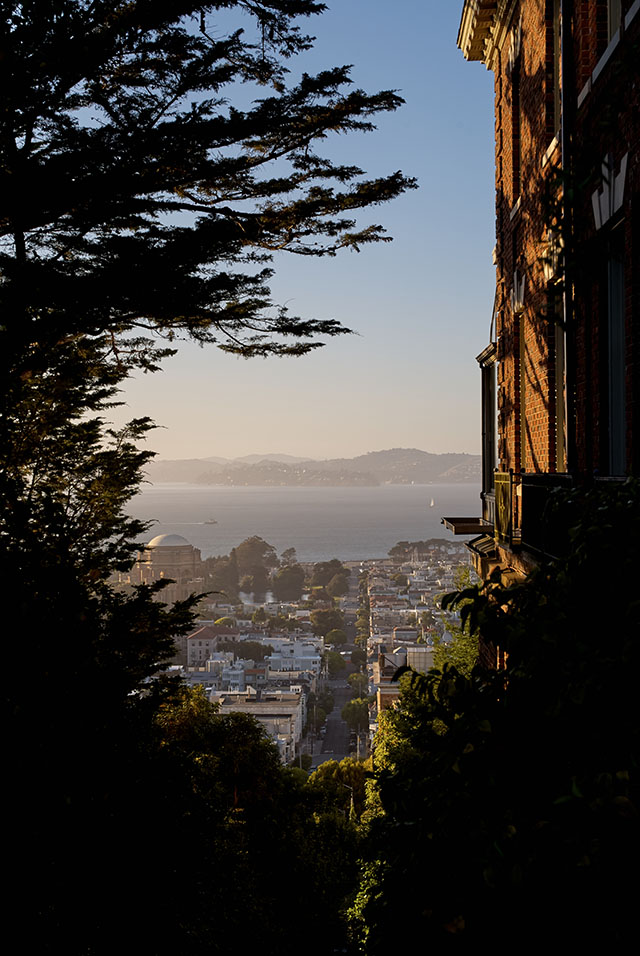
{"points": [[607, 122], [526, 340]]}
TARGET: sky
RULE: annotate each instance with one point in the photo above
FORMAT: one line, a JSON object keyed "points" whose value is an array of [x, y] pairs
{"points": [[420, 306]]}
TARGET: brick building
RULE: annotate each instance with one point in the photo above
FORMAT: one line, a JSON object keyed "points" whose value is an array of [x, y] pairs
{"points": [[560, 373]]}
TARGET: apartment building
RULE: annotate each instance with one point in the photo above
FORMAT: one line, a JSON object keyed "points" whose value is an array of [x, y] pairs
{"points": [[560, 374]]}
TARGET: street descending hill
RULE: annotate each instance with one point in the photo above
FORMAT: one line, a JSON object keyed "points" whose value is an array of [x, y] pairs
{"points": [[394, 466]]}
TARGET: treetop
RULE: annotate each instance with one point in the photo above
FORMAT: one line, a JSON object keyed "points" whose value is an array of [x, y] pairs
{"points": [[138, 199]]}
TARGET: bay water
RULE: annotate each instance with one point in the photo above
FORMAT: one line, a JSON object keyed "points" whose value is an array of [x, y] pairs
{"points": [[320, 523]]}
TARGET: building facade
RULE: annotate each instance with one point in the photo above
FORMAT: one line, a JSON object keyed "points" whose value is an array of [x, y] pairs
{"points": [[281, 713], [172, 557], [560, 372]]}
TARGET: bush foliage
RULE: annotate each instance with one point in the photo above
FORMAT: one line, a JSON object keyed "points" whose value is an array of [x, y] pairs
{"points": [[510, 798]]}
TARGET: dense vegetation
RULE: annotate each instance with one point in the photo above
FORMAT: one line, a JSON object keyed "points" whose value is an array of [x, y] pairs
{"points": [[142, 201], [505, 805], [405, 550], [500, 808], [254, 567]]}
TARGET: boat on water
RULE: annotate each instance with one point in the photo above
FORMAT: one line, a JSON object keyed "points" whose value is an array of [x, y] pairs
{"points": [[432, 503], [210, 521]]}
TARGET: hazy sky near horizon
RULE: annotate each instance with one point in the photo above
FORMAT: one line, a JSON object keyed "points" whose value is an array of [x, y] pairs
{"points": [[420, 306]]}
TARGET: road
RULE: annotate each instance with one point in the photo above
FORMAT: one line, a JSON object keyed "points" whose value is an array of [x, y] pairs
{"points": [[335, 745]]}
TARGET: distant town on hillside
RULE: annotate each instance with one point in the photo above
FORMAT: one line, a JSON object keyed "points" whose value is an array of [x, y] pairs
{"points": [[399, 466]]}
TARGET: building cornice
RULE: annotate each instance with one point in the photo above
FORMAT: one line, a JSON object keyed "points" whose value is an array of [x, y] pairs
{"points": [[502, 25], [483, 28]]}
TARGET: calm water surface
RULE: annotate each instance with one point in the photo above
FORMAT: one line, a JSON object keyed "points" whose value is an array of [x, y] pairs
{"points": [[320, 523]]}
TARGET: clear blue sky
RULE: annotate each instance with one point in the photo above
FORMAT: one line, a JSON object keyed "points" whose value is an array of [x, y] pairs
{"points": [[421, 305]]}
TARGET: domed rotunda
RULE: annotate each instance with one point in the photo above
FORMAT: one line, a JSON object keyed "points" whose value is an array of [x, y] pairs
{"points": [[170, 556]]}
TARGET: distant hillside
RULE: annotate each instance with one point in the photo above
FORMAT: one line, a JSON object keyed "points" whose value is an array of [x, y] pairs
{"points": [[183, 469], [395, 466], [405, 465], [254, 459]]}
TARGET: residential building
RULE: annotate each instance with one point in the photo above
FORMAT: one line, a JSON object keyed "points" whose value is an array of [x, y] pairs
{"points": [[201, 644], [404, 634], [281, 713], [296, 656], [384, 669], [233, 676], [560, 374]]}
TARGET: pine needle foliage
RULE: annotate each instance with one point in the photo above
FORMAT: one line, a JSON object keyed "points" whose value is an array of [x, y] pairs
{"points": [[141, 201], [139, 197]]}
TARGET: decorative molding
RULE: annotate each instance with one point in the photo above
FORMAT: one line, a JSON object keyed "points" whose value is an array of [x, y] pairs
{"points": [[488, 355], [475, 24], [483, 26], [607, 200], [502, 23]]}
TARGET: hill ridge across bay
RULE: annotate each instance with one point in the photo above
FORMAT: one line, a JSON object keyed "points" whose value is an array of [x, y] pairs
{"points": [[390, 466]]}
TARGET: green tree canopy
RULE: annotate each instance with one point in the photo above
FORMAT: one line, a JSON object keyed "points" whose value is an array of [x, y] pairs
{"points": [[461, 651], [356, 713], [401, 580], [338, 586], [336, 636], [221, 577], [140, 196], [337, 784], [404, 550], [288, 557], [318, 595], [287, 583], [519, 790], [254, 553], [325, 620], [335, 663], [359, 683], [324, 571], [251, 819], [141, 202], [363, 627], [282, 622], [319, 705]]}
